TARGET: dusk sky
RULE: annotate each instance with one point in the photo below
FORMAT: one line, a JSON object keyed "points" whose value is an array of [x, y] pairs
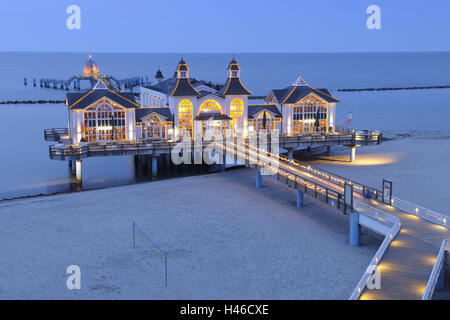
{"points": [[184, 26]]}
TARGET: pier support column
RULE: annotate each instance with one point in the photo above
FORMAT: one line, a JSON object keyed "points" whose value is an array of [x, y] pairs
{"points": [[154, 166], [168, 161], [224, 160], [258, 178], [352, 154], [78, 175], [291, 154], [354, 229], [300, 198], [440, 284], [328, 152]]}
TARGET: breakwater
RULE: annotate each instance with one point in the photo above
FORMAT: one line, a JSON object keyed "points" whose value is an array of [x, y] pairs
{"points": [[31, 101], [396, 88]]}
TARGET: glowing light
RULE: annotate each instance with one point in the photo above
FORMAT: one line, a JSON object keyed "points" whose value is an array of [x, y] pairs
{"points": [[361, 160]]}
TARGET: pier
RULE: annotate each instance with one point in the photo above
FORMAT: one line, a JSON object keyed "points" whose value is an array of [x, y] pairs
{"points": [[91, 74], [68, 152], [411, 258]]}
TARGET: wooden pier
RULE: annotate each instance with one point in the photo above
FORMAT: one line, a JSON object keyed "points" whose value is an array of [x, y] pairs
{"points": [[411, 250]]}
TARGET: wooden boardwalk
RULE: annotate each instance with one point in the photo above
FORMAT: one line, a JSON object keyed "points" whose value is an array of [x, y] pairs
{"points": [[407, 264]]}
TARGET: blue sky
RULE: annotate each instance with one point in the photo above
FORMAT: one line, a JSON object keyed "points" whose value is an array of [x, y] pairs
{"points": [[225, 26]]}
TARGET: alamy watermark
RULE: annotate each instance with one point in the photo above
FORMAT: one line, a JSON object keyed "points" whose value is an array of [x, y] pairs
{"points": [[373, 22], [74, 279], [374, 281], [256, 149], [73, 21]]}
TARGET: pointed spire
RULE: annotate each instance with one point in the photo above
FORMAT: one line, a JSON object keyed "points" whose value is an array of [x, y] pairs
{"points": [[182, 69], [159, 75], [300, 82]]}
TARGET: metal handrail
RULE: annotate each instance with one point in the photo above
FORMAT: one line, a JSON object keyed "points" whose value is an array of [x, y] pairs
{"points": [[311, 188], [369, 210], [422, 212], [438, 265], [54, 134], [333, 178]]}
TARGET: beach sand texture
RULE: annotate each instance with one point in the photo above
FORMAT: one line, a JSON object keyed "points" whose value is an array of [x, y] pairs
{"points": [[225, 240]]}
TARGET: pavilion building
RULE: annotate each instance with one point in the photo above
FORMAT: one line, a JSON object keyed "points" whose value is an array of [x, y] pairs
{"points": [[196, 107], [184, 105], [304, 109]]}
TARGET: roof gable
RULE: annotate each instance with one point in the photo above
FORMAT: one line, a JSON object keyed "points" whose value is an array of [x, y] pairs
{"points": [[297, 93], [254, 109], [78, 100], [143, 113]]}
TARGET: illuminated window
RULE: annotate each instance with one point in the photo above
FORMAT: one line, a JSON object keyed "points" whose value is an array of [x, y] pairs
{"points": [[304, 115], [297, 119], [104, 122], [210, 106], [268, 125], [155, 128], [236, 113], [185, 116]]}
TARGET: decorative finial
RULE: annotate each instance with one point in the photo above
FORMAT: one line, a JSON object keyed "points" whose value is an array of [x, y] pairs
{"points": [[300, 82]]}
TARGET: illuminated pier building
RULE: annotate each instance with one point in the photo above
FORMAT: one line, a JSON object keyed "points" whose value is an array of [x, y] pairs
{"points": [[184, 105]]}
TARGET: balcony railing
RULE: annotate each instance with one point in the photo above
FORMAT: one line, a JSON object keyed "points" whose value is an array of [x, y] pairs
{"points": [[55, 134]]}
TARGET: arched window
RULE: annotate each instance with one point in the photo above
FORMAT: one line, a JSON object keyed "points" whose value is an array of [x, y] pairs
{"points": [[104, 122], [305, 113], [268, 124], [185, 116], [210, 106], [236, 113], [154, 127]]}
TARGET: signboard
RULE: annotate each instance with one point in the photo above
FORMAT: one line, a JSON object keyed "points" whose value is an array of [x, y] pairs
{"points": [[387, 191], [433, 215], [348, 198]]}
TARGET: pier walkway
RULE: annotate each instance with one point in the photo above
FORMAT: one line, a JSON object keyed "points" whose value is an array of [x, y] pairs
{"points": [[408, 254], [63, 151]]}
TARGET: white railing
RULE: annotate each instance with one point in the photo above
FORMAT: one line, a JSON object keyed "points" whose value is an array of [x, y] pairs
{"points": [[438, 265], [384, 217], [424, 213]]}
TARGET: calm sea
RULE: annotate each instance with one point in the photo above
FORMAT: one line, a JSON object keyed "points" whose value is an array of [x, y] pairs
{"points": [[27, 170]]}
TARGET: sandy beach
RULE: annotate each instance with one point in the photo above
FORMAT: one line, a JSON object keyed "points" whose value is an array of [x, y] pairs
{"points": [[225, 240]]}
